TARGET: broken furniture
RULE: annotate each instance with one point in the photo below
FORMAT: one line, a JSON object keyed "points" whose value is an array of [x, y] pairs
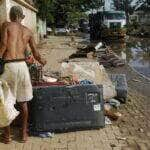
{"points": [[120, 82], [60, 108]]}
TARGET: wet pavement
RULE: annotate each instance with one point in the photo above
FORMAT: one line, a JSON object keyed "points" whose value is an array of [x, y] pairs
{"points": [[136, 51]]}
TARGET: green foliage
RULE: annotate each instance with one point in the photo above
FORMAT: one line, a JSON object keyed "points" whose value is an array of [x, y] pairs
{"points": [[67, 10], [74, 17]]}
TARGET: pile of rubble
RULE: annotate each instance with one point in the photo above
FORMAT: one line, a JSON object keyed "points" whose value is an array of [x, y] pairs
{"points": [[89, 72], [101, 52]]}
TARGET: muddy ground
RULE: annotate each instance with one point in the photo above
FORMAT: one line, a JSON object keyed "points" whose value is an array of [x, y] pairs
{"points": [[135, 122], [130, 132]]}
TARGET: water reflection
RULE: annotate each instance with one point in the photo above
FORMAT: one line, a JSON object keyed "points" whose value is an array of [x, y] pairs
{"points": [[136, 51]]}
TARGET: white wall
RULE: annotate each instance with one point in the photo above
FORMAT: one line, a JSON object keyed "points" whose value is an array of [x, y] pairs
{"points": [[109, 5], [41, 27]]}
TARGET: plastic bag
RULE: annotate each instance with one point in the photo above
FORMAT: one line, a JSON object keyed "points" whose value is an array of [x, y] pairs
{"points": [[90, 71], [7, 101]]}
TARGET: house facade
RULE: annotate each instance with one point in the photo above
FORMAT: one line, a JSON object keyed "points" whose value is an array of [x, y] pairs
{"points": [[141, 17]]}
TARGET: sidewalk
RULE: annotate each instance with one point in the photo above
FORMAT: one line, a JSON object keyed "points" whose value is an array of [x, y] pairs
{"points": [[131, 132]]}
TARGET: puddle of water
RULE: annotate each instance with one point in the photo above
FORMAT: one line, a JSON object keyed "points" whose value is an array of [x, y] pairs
{"points": [[136, 52]]}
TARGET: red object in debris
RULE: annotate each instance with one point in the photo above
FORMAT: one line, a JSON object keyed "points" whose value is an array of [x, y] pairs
{"points": [[30, 59], [35, 84]]}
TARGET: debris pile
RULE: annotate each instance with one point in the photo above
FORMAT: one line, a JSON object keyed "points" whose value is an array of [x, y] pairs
{"points": [[103, 53], [114, 85], [91, 72]]}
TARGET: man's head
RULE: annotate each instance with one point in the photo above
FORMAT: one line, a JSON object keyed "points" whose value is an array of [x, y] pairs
{"points": [[16, 13]]}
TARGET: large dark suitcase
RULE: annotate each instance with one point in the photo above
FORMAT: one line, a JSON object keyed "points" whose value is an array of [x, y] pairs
{"points": [[59, 108], [121, 86]]}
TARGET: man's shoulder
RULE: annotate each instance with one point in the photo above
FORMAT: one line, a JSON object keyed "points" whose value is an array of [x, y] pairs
{"points": [[5, 24], [26, 29]]}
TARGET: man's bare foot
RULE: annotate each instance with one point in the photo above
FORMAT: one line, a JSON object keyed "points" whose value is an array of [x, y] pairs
{"points": [[6, 139], [24, 137]]}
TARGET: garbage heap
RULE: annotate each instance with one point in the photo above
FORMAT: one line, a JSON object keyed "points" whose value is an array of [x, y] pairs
{"points": [[76, 73]]}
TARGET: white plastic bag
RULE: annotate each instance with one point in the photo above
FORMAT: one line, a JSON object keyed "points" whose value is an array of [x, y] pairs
{"points": [[7, 101], [91, 71]]}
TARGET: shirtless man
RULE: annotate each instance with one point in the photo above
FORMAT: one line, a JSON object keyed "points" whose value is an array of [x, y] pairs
{"points": [[14, 40]]}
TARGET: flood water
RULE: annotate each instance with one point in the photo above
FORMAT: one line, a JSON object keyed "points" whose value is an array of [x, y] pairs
{"points": [[136, 52]]}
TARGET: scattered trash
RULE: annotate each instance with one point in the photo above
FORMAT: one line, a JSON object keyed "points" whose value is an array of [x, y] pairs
{"points": [[98, 46], [141, 130], [49, 79], [112, 114], [91, 71], [113, 145], [107, 121], [46, 135], [107, 107], [90, 55], [108, 58], [85, 82], [120, 82], [113, 102], [135, 80], [70, 80], [43, 134], [121, 138]]}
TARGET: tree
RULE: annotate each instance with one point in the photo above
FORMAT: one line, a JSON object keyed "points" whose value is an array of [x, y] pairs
{"points": [[59, 11]]}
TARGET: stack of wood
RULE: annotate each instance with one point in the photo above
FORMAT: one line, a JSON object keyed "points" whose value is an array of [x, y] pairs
{"points": [[104, 54], [108, 58]]}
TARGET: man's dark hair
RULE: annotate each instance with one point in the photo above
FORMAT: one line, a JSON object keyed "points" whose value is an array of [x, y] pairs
{"points": [[16, 12]]}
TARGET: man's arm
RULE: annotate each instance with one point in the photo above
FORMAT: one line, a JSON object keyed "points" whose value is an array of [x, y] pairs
{"points": [[3, 43], [36, 54]]}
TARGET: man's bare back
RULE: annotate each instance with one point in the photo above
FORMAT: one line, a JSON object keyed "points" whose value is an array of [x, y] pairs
{"points": [[15, 38], [18, 37]]}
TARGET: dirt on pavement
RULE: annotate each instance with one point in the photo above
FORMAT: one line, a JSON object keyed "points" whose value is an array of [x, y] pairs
{"points": [[130, 132]]}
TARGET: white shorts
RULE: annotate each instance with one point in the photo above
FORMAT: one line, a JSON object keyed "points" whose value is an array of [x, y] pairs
{"points": [[16, 74]]}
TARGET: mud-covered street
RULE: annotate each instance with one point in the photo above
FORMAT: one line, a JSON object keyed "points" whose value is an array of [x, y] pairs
{"points": [[130, 132]]}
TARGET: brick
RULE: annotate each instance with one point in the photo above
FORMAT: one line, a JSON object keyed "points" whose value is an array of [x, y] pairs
{"points": [[27, 146], [19, 146], [71, 137], [7, 147], [36, 146], [46, 146], [72, 146]]}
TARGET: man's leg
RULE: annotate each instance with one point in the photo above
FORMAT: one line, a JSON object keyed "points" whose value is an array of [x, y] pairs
{"points": [[24, 114], [6, 135]]}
